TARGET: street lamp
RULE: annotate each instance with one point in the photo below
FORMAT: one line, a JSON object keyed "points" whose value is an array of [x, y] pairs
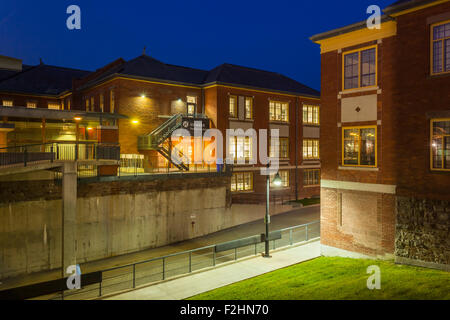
{"points": [[277, 182]]}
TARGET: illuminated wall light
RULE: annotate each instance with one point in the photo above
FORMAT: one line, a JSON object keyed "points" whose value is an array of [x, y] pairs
{"points": [[89, 128], [77, 118], [135, 121], [143, 95]]}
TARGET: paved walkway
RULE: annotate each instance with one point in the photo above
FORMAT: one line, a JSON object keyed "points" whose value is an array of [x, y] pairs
{"points": [[283, 220], [191, 285]]}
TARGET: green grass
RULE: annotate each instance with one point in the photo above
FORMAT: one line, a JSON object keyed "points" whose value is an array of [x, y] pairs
{"points": [[337, 278], [308, 202]]}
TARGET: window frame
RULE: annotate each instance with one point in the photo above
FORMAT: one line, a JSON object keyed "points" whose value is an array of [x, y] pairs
{"points": [[246, 141], [281, 105], [432, 121], [191, 104], [251, 108], [311, 171], [7, 105], [359, 146], [281, 173], [359, 67], [318, 114], [243, 173], [53, 103], [279, 148], [432, 41], [235, 109], [318, 149], [31, 102]]}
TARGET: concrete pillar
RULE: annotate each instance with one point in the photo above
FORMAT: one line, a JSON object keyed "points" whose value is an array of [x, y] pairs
{"points": [[69, 214], [109, 135]]}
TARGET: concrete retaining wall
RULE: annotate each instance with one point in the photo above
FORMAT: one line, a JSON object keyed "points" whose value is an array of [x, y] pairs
{"points": [[113, 218]]}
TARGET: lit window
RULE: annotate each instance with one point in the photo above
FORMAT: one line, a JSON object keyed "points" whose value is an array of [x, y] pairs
{"points": [[284, 175], [310, 149], [92, 104], [359, 146], [278, 111], [248, 108], [54, 105], [191, 104], [440, 144], [68, 104], [440, 48], [311, 177], [242, 181], [310, 114], [102, 103], [112, 102], [360, 68], [7, 103], [241, 147], [283, 148], [87, 105], [233, 106], [31, 104]]}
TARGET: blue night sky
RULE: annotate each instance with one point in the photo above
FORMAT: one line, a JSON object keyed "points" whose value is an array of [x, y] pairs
{"points": [[269, 35]]}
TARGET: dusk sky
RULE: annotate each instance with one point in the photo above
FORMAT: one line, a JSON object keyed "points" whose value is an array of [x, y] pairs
{"points": [[269, 35]]}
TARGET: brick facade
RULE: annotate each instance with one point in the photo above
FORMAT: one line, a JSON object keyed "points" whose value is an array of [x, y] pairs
{"points": [[406, 95]]}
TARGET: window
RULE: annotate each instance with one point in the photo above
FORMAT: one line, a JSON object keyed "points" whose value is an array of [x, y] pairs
{"points": [[359, 146], [112, 101], [310, 149], [92, 104], [278, 111], [440, 48], [284, 175], [7, 103], [242, 181], [68, 104], [54, 105], [310, 114], [240, 147], [360, 68], [283, 149], [31, 104], [102, 103], [233, 107], [87, 105], [311, 177], [191, 104], [248, 108], [440, 144]]}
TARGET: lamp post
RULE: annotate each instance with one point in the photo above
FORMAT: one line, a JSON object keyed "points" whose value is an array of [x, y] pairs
{"points": [[277, 182]]}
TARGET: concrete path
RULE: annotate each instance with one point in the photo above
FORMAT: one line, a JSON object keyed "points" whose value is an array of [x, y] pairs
{"points": [[283, 220], [191, 285]]}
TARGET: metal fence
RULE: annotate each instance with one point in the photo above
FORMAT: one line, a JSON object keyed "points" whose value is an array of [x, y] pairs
{"points": [[63, 151], [157, 269]]}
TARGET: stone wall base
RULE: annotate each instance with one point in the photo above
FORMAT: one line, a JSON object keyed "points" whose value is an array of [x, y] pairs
{"points": [[420, 263]]}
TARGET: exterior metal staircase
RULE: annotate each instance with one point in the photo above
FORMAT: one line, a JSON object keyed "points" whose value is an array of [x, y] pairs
{"points": [[155, 140]]}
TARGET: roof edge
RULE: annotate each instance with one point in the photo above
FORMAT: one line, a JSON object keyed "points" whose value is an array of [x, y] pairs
{"points": [[346, 29], [406, 5]]}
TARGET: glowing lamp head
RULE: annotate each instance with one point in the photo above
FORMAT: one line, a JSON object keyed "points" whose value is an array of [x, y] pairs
{"points": [[77, 118], [135, 121], [277, 180], [89, 128], [143, 95]]}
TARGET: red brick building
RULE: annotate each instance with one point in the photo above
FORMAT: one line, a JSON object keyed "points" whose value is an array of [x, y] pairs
{"points": [[134, 99], [385, 136]]}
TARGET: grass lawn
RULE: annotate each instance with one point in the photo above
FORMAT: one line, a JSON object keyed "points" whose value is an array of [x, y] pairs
{"points": [[337, 278], [308, 202]]}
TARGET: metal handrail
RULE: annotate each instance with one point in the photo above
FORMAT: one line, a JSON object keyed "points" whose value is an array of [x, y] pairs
{"points": [[198, 249]]}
